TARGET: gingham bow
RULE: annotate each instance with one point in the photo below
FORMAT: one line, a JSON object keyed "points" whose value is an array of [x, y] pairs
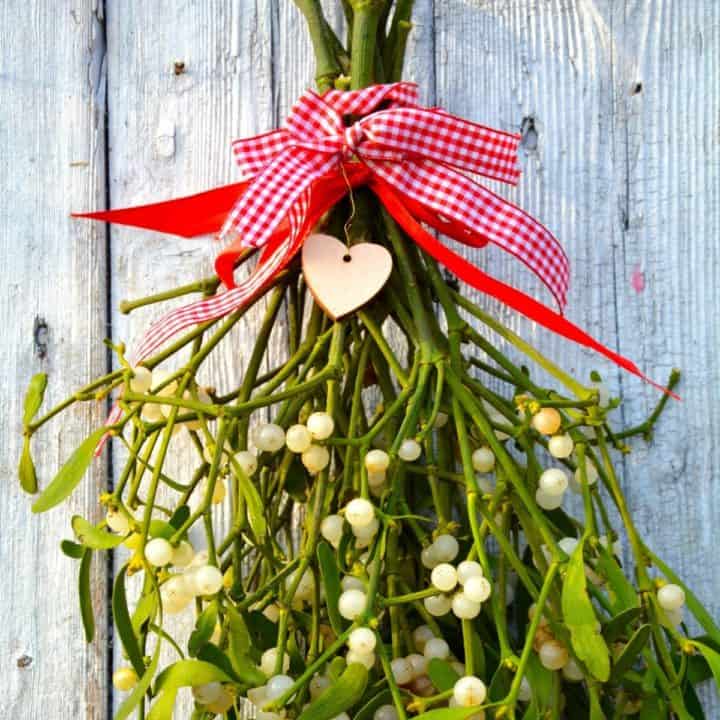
{"points": [[409, 156], [413, 149]]}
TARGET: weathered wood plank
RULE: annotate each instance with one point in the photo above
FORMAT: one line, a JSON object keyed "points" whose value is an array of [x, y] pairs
{"points": [[170, 135], [52, 84], [665, 264]]}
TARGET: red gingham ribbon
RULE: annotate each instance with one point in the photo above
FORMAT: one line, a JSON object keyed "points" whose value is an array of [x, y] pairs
{"points": [[409, 155]]}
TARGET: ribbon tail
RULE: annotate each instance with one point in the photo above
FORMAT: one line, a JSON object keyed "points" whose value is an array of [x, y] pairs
{"points": [[200, 214], [511, 297]]}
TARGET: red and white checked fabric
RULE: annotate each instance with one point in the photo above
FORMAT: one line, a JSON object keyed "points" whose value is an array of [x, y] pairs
{"points": [[417, 150]]}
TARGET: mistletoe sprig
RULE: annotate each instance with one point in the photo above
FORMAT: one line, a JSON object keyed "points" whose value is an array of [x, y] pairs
{"points": [[436, 573]]}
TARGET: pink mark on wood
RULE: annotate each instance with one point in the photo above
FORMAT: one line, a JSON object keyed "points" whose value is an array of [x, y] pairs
{"points": [[637, 279]]}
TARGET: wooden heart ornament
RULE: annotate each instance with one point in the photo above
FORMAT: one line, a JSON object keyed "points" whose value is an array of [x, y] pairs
{"points": [[343, 278]]}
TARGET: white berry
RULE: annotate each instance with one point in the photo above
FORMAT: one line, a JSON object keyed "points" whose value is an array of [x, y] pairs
{"points": [[469, 691], [247, 461], [438, 605], [320, 425], [183, 554], [483, 460], [568, 545], [386, 712], [421, 634], [366, 659], [117, 522], [572, 672], [352, 603], [436, 648], [141, 381], [419, 664], [477, 589], [377, 461], [429, 558], [207, 580], [175, 594], [547, 421], [359, 512], [553, 482], [547, 501], [463, 607], [561, 446], [269, 660], [278, 685], [671, 597], [158, 552], [402, 671], [467, 569], [331, 529], [316, 458], [446, 548], [269, 437], [207, 693], [409, 450], [298, 438], [553, 655], [350, 582], [444, 577], [525, 692], [362, 640]]}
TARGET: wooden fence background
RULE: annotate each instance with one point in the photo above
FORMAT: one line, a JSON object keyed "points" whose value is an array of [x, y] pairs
{"points": [[620, 106]]}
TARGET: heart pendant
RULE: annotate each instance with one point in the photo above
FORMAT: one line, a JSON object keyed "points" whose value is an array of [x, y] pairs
{"points": [[343, 279]]}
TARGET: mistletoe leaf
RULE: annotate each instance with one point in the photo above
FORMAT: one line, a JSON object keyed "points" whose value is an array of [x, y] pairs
{"points": [[184, 673], [442, 674], [239, 635], [34, 397], [623, 594], [124, 625], [72, 549], [92, 537], [70, 474], [253, 501], [615, 627], [579, 616], [331, 582], [86, 608], [340, 696], [455, 713], [633, 648], [712, 657], [134, 698], [26, 469], [204, 628]]}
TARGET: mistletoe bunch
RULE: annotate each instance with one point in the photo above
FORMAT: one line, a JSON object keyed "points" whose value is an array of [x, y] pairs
{"points": [[436, 573]]}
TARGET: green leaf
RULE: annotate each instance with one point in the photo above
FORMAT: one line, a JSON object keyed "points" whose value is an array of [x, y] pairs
{"points": [[331, 582], [712, 657], [238, 634], [541, 683], [615, 627], [456, 713], [134, 698], [93, 537], [26, 469], [253, 502], [442, 674], [241, 668], [263, 632], [340, 696], [124, 625], [161, 529], [34, 397], [70, 474], [179, 516], [72, 549], [86, 609], [185, 673], [579, 616], [627, 657], [204, 628], [145, 610], [596, 712], [623, 594], [500, 683]]}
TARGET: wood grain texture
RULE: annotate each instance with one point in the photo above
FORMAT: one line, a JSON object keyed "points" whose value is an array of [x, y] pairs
{"points": [[618, 102], [52, 300]]}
